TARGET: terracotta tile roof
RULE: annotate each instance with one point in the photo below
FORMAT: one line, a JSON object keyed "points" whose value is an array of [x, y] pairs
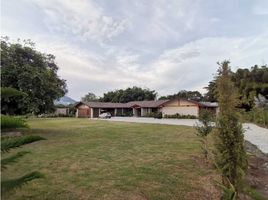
{"points": [[147, 104], [143, 104]]}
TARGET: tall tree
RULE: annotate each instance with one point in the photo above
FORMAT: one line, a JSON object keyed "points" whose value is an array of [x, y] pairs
{"points": [[129, 94], [31, 72], [250, 83], [89, 97], [211, 90], [230, 154]]}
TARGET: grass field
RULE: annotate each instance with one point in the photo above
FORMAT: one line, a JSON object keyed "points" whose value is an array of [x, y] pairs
{"points": [[90, 159]]}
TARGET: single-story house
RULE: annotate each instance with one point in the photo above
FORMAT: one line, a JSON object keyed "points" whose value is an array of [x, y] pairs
{"points": [[62, 111], [143, 108]]}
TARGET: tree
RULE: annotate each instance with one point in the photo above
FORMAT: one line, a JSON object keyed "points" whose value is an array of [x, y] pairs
{"points": [[184, 94], [129, 94], [211, 90], [31, 72], [250, 83], [89, 97], [229, 141]]}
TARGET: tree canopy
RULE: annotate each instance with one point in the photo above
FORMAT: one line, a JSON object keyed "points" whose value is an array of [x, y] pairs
{"points": [[184, 94], [129, 94], [89, 97], [32, 72], [250, 83]]}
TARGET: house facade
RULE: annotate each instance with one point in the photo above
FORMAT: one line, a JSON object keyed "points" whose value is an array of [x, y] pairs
{"points": [[143, 108]]}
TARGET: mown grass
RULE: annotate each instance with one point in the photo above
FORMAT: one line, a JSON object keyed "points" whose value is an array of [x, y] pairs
{"points": [[91, 159]]}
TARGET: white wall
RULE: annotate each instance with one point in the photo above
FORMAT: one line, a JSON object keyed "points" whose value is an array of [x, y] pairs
{"points": [[184, 110]]}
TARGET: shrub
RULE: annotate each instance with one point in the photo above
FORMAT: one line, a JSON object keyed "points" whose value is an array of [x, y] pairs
{"points": [[158, 115], [179, 116], [256, 115], [204, 128], [151, 114], [8, 122]]}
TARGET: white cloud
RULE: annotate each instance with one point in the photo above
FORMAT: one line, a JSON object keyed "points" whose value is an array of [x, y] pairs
{"points": [[82, 18], [165, 46], [261, 7]]}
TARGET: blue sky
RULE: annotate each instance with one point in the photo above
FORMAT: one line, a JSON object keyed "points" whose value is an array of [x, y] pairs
{"points": [[162, 45]]}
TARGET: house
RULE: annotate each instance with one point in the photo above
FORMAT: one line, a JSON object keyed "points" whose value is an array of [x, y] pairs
{"points": [[63, 111], [143, 108]]}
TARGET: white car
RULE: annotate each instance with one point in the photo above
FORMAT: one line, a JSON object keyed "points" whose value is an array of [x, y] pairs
{"points": [[105, 115]]}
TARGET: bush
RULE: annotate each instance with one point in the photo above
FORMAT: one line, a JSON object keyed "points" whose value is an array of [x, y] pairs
{"points": [[8, 122], [149, 114], [158, 115], [256, 115], [179, 116], [54, 115]]}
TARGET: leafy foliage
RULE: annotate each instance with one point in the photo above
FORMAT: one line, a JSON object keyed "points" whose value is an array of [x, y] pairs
{"points": [[211, 95], [15, 183], [7, 92], [257, 115], [204, 128], [250, 83], [13, 142], [193, 95], [89, 97], [205, 118], [179, 116], [8, 122], [31, 72], [229, 141], [229, 192], [129, 94]]}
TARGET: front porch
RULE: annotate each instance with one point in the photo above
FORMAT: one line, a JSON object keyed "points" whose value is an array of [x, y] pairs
{"points": [[135, 111]]}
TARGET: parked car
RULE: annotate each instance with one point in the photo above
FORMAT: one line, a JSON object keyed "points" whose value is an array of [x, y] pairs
{"points": [[105, 115]]}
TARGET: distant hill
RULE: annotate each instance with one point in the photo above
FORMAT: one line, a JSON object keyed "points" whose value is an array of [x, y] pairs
{"points": [[64, 101]]}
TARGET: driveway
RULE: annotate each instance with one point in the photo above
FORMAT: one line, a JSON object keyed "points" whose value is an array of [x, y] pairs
{"points": [[254, 134]]}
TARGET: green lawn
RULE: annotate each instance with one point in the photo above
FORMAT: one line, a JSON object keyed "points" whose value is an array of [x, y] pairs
{"points": [[89, 159]]}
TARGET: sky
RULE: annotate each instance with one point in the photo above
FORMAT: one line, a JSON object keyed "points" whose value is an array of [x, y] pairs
{"points": [[165, 46]]}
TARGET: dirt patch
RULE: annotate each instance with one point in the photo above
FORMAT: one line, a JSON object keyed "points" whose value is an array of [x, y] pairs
{"points": [[11, 133], [209, 190], [257, 175]]}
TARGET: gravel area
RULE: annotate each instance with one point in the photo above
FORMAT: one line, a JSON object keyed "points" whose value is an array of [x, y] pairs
{"points": [[253, 133], [256, 135]]}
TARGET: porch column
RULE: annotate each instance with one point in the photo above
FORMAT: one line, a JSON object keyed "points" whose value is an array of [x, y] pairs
{"points": [[115, 111], [133, 111], [91, 112], [76, 113], [142, 112]]}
